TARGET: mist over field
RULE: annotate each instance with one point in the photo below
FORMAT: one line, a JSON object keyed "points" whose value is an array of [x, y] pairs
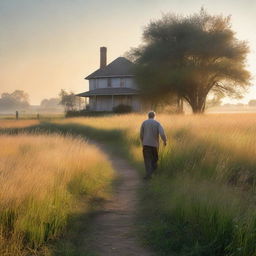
{"points": [[127, 128]]}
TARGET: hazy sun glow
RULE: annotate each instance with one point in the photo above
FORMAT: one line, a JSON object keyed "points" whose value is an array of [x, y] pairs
{"points": [[48, 45]]}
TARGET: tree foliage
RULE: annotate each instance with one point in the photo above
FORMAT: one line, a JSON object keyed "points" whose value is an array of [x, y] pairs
{"points": [[214, 101], [191, 56], [52, 103], [69, 100], [14, 101]]}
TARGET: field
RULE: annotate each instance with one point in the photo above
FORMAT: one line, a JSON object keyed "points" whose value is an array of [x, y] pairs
{"points": [[42, 179], [5, 124], [204, 188]]}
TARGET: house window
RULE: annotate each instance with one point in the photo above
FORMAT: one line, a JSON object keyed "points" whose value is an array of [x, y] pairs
{"points": [[109, 82], [122, 82], [94, 84]]}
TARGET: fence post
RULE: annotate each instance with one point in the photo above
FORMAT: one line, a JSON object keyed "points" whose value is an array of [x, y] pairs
{"points": [[17, 115]]}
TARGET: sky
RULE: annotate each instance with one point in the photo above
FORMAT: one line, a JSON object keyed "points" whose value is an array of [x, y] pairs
{"points": [[49, 45]]}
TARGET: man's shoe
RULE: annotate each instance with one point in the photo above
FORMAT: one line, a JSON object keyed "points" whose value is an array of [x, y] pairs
{"points": [[147, 177]]}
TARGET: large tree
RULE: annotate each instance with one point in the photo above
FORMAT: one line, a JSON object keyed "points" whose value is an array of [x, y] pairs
{"points": [[191, 56]]}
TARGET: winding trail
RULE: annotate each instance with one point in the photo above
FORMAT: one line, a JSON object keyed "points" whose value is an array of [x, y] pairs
{"points": [[113, 229]]}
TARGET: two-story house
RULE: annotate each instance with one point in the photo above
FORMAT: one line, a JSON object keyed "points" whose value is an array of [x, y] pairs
{"points": [[112, 85]]}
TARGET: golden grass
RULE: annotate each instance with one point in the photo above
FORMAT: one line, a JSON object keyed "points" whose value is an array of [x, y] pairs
{"points": [[225, 141], [17, 123], [211, 158], [235, 132], [205, 193], [41, 177]]}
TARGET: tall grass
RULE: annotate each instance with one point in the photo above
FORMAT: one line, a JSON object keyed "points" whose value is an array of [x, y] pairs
{"points": [[5, 124], [202, 202], [41, 179]]}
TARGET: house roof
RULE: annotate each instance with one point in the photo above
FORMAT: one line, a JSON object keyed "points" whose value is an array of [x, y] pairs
{"points": [[109, 92], [120, 67]]}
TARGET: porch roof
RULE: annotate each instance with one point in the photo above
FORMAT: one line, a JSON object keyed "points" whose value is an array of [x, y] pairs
{"points": [[109, 92]]}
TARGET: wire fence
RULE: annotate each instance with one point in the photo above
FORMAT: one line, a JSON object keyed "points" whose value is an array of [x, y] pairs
{"points": [[20, 115]]}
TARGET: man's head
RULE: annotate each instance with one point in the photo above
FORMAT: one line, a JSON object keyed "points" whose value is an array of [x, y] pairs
{"points": [[151, 114]]}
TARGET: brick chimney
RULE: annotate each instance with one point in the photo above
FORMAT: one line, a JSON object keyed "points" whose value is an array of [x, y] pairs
{"points": [[103, 57]]}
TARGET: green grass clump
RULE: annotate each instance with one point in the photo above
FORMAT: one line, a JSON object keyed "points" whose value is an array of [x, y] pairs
{"points": [[194, 218]]}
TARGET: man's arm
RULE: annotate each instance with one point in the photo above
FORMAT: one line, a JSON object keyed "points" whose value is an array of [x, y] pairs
{"points": [[141, 132], [162, 134]]}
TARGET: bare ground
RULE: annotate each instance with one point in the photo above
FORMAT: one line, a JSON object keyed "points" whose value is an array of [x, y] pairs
{"points": [[113, 229]]}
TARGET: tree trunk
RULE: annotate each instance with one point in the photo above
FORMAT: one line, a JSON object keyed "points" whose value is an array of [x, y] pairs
{"points": [[197, 103], [198, 107], [179, 105]]}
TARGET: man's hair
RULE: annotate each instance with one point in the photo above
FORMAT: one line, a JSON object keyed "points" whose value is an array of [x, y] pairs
{"points": [[151, 114]]}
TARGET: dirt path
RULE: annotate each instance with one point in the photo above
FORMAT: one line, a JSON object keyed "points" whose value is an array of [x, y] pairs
{"points": [[113, 228]]}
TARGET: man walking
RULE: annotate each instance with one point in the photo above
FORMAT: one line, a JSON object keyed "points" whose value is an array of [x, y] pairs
{"points": [[149, 136]]}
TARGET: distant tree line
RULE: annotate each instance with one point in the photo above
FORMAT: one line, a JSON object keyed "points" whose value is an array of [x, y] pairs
{"points": [[13, 101], [66, 99], [252, 103], [70, 101], [19, 100], [52, 103]]}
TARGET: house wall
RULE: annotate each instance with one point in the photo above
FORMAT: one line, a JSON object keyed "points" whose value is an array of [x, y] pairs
{"points": [[105, 103], [112, 82], [100, 103]]}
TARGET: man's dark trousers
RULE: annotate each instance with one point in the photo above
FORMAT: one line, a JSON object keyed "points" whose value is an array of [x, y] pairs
{"points": [[150, 155]]}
